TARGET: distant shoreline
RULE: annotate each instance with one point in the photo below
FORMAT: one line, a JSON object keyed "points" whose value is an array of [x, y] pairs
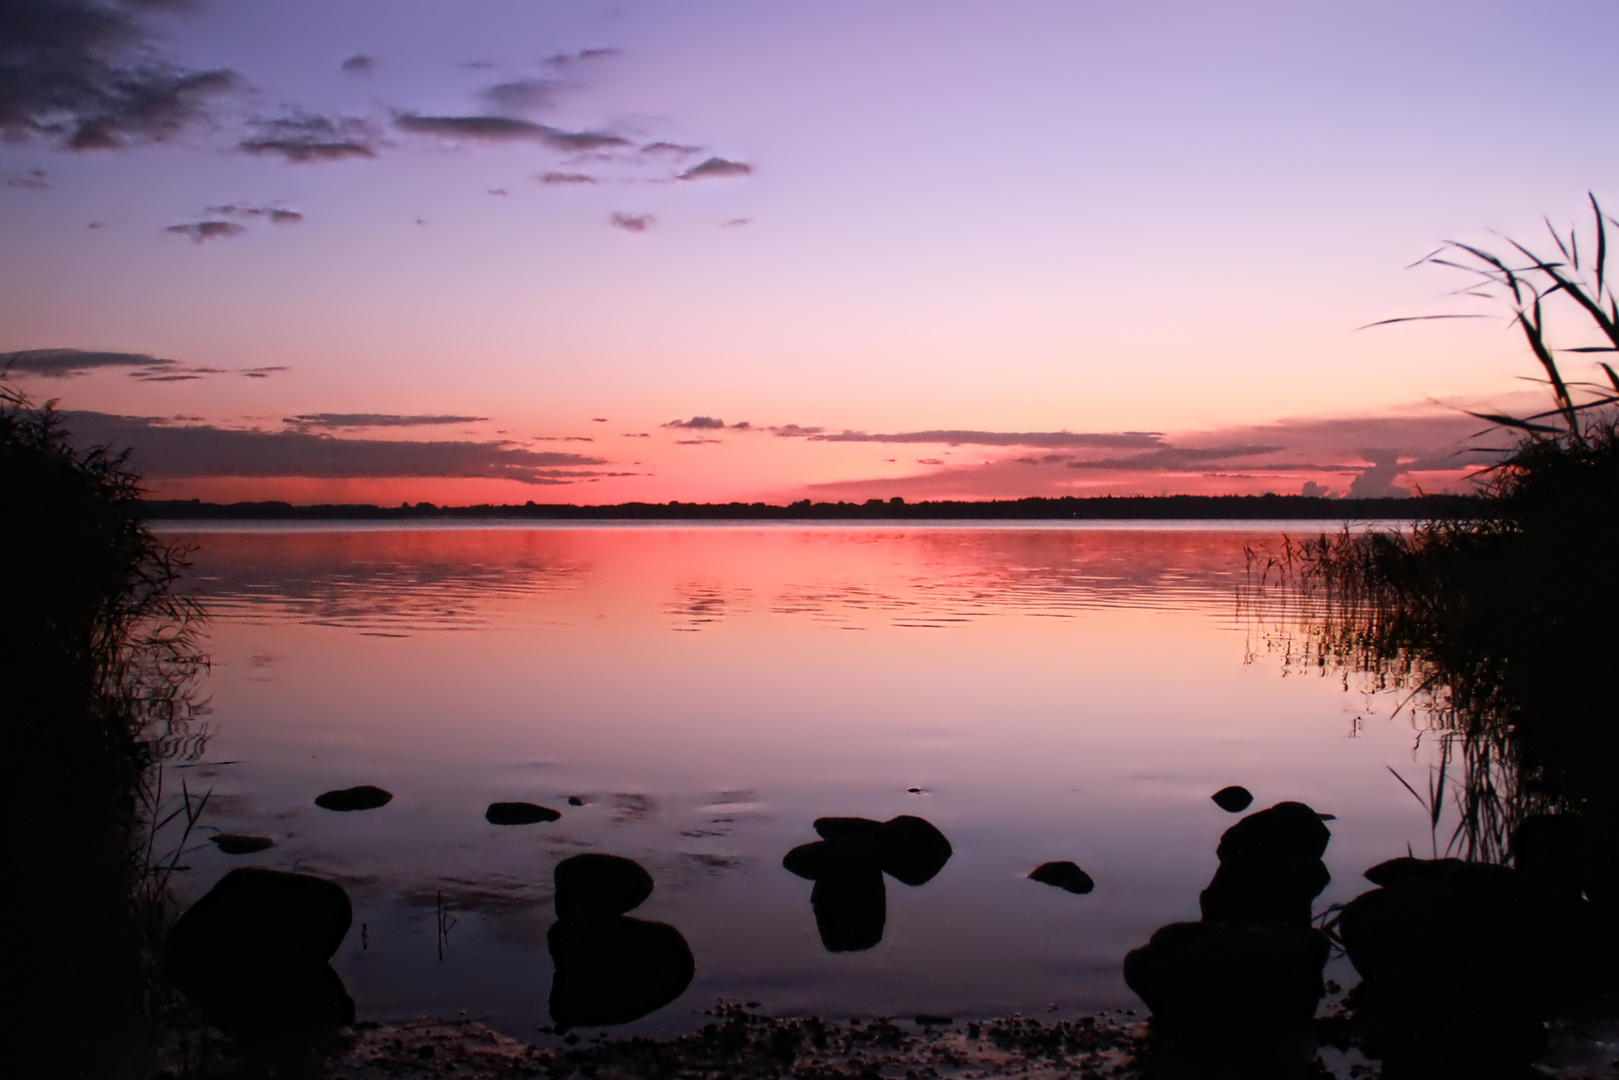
{"points": [[1098, 508]]}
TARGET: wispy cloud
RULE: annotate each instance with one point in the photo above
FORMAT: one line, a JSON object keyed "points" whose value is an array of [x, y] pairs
{"points": [[200, 232], [505, 129], [697, 423], [635, 223], [671, 149], [85, 75], [371, 420], [1119, 440], [278, 215], [523, 95], [565, 178], [163, 449], [716, 167], [304, 138], [359, 64], [64, 363], [33, 179], [566, 59]]}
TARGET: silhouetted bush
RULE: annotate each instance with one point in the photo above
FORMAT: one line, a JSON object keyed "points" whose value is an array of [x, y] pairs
{"points": [[99, 651]]}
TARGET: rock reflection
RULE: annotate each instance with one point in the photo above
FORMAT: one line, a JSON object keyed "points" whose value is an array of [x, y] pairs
{"points": [[610, 969], [847, 865], [1235, 994], [253, 955]]}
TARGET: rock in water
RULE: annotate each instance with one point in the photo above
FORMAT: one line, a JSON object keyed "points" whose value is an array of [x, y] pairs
{"points": [[253, 952], [1288, 828], [912, 850], [1234, 1001], [851, 906], [364, 797], [614, 970], [518, 813], [237, 844], [1234, 799], [1065, 875], [599, 886], [840, 828]]}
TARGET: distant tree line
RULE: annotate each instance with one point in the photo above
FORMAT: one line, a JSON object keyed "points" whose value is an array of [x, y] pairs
{"points": [[1099, 508]]}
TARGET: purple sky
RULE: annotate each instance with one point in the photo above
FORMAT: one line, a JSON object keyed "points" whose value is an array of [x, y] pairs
{"points": [[480, 226]]}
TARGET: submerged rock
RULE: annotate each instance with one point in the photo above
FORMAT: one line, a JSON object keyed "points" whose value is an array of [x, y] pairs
{"points": [[1234, 799], [1065, 875], [364, 797], [575, 800], [594, 885], [518, 813], [253, 952], [238, 844]]}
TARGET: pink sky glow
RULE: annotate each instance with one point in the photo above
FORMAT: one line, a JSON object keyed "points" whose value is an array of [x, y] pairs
{"points": [[588, 252]]}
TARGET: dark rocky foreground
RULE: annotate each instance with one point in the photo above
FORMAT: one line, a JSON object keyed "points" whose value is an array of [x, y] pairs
{"points": [[744, 1045]]}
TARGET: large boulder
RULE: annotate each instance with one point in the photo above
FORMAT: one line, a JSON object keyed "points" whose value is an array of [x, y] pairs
{"points": [[1234, 1001], [593, 885], [849, 899], [1270, 869], [253, 954], [911, 849], [1461, 963]]}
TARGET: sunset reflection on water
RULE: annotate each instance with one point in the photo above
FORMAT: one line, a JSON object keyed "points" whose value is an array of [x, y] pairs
{"points": [[706, 692]]}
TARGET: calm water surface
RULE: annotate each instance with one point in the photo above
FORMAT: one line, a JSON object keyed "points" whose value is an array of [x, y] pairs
{"points": [[707, 691]]}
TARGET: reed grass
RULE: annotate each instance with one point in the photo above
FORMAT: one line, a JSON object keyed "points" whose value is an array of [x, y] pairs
{"points": [[1498, 630]]}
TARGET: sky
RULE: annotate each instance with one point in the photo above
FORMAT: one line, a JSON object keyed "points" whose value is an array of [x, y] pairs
{"points": [[569, 251]]}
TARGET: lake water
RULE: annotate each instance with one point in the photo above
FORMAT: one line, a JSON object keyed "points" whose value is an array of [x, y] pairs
{"points": [[1037, 693]]}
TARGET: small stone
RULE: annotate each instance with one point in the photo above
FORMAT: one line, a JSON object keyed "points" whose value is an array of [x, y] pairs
{"points": [[1234, 799], [1064, 875], [518, 813], [364, 797], [574, 800], [237, 844]]}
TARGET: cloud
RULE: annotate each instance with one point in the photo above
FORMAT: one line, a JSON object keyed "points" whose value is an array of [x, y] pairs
{"points": [[929, 461], [522, 95], [564, 59], [1120, 440], [34, 179], [672, 149], [359, 64], [698, 442], [736, 221], [200, 232], [697, 423], [364, 420], [1313, 490], [1377, 480], [716, 167], [64, 363], [505, 128], [305, 137], [161, 449], [565, 178], [1177, 458], [632, 222], [83, 74], [278, 215], [794, 431]]}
